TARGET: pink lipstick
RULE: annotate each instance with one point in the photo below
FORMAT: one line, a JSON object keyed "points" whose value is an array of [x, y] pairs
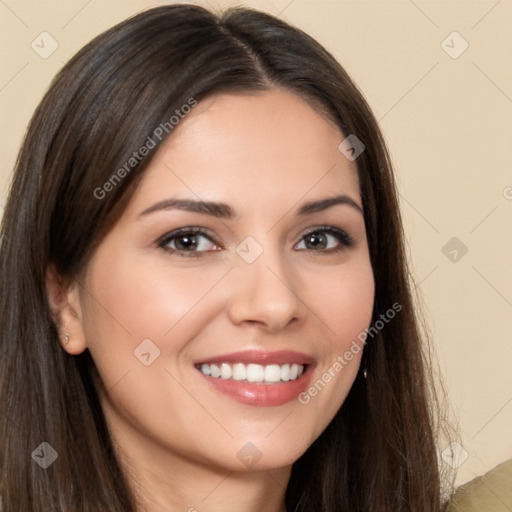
{"points": [[261, 378]]}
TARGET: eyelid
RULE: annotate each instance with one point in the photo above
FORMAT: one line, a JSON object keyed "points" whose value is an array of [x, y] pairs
{"points": [[196, 230]]}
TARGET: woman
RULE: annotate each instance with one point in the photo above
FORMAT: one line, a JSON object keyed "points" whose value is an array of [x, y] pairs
{"points": [[206, 303]]}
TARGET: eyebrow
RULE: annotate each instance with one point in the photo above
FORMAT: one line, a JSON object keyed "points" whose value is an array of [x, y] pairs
{"points": [[224, 211]]}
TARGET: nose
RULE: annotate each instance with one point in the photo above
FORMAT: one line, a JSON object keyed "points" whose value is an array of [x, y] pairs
{"points": [[265, 294]]}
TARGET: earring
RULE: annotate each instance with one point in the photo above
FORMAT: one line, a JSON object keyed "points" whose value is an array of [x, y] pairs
{"points": [[66, 337], [365, 373]]}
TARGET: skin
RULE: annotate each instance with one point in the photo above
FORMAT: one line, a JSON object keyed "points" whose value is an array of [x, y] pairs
{"points": [[265, 155]]}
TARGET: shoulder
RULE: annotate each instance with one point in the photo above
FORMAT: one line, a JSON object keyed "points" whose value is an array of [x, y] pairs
{"points": [[491, 492]]}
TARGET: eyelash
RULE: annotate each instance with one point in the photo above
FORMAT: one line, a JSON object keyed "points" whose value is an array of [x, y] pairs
{"points": [[346, 241]]}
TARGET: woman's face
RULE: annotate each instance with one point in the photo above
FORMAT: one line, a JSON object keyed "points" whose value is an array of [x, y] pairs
{"points": [[270, 281]]}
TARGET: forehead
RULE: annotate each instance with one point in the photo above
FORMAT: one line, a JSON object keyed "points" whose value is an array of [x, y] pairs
{"points": [[252, 151]]}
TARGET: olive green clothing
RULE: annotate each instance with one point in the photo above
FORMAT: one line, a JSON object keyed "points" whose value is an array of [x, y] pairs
{"points": [[491, 492]]}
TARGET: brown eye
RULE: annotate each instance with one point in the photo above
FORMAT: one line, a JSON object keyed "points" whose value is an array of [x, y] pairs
{"points": [[316, 241], [325, 240], [187, 240]]}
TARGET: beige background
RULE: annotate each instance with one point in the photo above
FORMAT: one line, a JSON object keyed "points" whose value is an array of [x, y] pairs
{"points": [[448, 122]]}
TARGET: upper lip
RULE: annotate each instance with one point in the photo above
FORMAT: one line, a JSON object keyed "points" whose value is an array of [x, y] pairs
{"points": [[262, 357]]}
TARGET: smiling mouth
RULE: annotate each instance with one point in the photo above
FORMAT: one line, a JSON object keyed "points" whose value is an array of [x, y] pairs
{"points": [[258, 377], [253, 373]]}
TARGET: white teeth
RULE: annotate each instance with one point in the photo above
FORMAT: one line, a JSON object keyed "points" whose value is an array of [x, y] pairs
{"points": [[239, 371], [225, 371], [214, 370], [273, 373], [254, 372]]}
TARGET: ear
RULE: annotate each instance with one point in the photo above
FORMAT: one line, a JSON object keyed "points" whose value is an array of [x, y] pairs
{"points": [[64, 299]]}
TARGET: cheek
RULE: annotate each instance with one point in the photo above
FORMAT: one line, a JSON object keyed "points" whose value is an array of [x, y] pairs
{"points": [[344, 303], [123, 309], [130, 299], [343, 300], [352, 311]]}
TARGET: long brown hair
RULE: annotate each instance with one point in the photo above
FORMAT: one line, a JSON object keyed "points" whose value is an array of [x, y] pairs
{"points": [[379, 452]]}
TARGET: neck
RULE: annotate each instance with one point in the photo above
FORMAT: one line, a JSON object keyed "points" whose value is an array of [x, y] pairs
{"points": [[171, 482], [211, 491]]}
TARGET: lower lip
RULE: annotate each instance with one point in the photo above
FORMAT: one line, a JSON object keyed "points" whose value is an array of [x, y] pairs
{"points": [[261, 394]]}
